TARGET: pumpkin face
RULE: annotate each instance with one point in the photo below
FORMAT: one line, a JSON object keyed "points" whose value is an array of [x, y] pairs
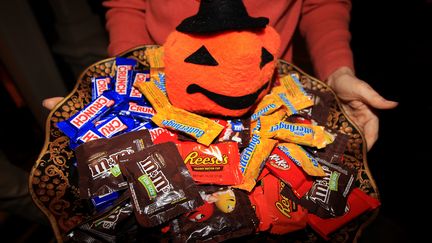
{"points": [[221, 74]]}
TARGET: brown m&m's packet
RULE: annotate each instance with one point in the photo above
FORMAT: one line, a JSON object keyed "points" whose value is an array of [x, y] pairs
{"points": [[160, 184], [99, 172], [328, 196], [227, 213], [358, 203], [216, 164]]}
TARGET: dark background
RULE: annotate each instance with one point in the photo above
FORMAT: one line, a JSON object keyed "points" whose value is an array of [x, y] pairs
{"points": [[392, 51]]}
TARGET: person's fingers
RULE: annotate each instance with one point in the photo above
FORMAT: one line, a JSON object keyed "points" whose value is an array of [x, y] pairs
{"points": [[370, 131], [50, 103], [372, 98]]}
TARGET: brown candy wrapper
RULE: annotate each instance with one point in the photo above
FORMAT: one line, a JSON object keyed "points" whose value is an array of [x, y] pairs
{"points": [[160, 184], [226, 213], [114, 225], [328, 196], [320, 111], [98, 169], [333, 152]]}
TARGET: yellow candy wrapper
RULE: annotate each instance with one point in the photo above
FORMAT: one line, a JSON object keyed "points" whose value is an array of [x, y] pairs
{"points": [[252, 160], [154, 57], [292, 94], [202, 129], [304, 134], [278, 115], [269, 104], [154, 95], [302, 158]]}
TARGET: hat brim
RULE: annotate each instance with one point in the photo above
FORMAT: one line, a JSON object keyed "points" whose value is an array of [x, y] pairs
{"points": [[205, 25]]}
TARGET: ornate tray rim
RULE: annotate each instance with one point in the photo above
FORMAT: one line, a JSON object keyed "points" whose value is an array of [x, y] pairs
{"points": [[54, 223]]}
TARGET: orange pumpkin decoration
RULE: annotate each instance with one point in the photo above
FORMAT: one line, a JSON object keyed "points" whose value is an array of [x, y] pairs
{"points": [[223, 73]]}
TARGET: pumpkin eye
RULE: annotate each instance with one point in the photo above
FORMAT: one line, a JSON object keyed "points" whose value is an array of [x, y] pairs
{"points": [[266, 57], [202, 57]]}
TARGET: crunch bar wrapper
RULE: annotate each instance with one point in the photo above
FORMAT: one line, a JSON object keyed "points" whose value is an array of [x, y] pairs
{"points": [[160, 184], [252, 160], [89, 114]]}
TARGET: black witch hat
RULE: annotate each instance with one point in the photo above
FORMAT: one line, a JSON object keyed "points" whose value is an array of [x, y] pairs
{"points": [[220, 15]]}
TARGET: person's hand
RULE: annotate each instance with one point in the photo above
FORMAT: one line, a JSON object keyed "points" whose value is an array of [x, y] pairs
{"points": [[359, 100], [50, 103]]}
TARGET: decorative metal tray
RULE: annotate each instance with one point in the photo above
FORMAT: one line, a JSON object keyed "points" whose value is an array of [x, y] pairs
{"points": [[52, 180]]}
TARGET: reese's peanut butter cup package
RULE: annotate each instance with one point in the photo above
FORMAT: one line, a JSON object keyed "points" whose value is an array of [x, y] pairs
{"points": [[276, 212], [216, 164], [160, 184], [99, 172], [227, 213]]}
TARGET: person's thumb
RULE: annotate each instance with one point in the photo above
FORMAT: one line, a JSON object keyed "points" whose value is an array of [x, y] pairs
{"points": [[50, 103], [372, 98]]}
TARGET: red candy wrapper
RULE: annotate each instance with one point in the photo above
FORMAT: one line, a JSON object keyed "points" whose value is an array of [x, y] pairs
{"points": [[277, 213], [215, 164], [280, 165], [358, 203]]}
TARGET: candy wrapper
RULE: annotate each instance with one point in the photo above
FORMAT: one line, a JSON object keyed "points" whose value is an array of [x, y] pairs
{"points": [[226, 213]]}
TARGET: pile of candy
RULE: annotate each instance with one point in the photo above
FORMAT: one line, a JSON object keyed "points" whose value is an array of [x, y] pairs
{"points": [[142, 161]]}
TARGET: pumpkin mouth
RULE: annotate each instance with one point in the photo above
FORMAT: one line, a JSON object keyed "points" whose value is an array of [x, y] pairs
{"points": [[229, 102]]}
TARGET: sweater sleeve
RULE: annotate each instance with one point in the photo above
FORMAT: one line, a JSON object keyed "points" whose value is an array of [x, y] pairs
{"points": [[126, 25], [325, 26]]}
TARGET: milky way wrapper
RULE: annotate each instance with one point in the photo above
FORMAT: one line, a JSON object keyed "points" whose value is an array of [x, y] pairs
{"points": [[99, 172], [227, 213], [160, 184]]}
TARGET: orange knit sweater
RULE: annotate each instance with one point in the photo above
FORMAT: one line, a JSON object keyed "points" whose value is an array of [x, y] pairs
{"points": [[323, 23]]}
